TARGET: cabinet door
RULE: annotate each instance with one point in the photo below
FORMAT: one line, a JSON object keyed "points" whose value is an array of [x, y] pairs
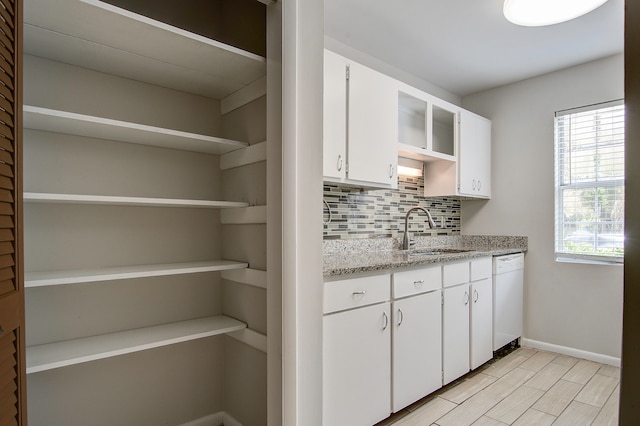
{"points": [[373, 127], [417, 348], [357, 366], [335, 116], [481, 322], [455, 332], [475, 155], [12, 322]]}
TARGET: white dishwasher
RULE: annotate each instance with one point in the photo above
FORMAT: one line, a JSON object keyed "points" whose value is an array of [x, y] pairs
{"points": [[508, 289]]}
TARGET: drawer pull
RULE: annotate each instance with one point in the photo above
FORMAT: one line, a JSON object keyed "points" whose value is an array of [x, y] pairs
{"points": [[418, 283], [359, 293], [386, 321], [400, 317]]}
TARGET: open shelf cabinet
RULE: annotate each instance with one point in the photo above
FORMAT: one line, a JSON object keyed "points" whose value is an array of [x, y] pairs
{"points": [[118, 105]]}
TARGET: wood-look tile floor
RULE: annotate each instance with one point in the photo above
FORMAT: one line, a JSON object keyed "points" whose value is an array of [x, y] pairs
{"points": [[526, 387]]}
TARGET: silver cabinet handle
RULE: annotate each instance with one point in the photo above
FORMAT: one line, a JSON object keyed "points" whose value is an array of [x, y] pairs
{"points": [[475, 296], [479, 185], [390, 170], [359, 293], [340, 163], [418, 283], [400, 317], [386, 321], [466, 298], [473, 184]]}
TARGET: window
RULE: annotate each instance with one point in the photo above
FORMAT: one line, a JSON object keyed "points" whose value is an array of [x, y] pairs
{"points": [[589, 196]]}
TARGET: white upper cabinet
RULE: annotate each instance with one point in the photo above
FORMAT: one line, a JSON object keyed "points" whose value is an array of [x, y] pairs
{"points": [[427, 126], [371, 119], [474, 165], [335, 116], [360, 124], [373, 127]]}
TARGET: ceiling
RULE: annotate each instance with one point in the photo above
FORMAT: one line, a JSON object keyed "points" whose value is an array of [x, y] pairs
{"points": [[465, 46]]}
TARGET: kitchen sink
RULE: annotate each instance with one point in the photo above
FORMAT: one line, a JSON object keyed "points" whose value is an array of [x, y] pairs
{"points": [[437, 251]]}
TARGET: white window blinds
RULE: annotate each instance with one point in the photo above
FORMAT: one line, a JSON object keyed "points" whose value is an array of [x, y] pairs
{"points": [[589, 189]]}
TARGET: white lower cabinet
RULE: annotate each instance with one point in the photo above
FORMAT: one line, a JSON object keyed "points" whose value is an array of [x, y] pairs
{"points": [[388, 343], [481, 322], [455, 332], [356, 366], [416, 348]]}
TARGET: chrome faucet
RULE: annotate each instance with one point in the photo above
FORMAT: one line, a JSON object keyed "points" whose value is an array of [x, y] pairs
{"points": [[406, 242]]}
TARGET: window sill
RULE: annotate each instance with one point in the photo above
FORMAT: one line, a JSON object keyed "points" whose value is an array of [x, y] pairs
{"points": [[589, 260]]}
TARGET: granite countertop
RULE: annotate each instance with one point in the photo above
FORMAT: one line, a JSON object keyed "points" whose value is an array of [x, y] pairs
{"points": [[343, 258]]}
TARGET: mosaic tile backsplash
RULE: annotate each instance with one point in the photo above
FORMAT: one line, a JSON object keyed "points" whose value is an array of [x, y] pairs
{"points": [[357, 213]]}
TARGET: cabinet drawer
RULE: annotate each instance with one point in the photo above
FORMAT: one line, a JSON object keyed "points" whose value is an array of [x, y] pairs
{"points": [[455, 273], [407, 283], [355, 292], [481, 268]]}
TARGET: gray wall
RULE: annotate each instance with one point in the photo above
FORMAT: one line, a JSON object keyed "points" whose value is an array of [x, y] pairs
{"points": [[573, 305]]}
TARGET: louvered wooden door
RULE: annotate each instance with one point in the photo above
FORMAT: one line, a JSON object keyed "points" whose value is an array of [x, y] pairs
{"points": [[12, 342]]}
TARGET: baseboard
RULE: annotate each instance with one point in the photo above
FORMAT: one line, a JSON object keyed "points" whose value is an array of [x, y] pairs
{"points": [[215, 419], [577, 353]]}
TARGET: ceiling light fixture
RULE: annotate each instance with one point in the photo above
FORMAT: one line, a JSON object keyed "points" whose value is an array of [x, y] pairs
{"points": [[535, 13]]}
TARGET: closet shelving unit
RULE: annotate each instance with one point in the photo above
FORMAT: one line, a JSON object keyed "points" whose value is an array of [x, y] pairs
{"points": [[95, 35]]}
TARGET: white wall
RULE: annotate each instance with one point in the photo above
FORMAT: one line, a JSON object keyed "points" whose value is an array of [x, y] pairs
{"points": [[302, 45], [573, 305]]}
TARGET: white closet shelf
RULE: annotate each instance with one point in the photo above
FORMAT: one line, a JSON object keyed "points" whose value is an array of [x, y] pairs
{"points": [[243, 157], [130, 45], [244, 216], [45, 197], [251, 338], [252, 277], [50, 278], [70, 352], [421, 154], [71, 123]]}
